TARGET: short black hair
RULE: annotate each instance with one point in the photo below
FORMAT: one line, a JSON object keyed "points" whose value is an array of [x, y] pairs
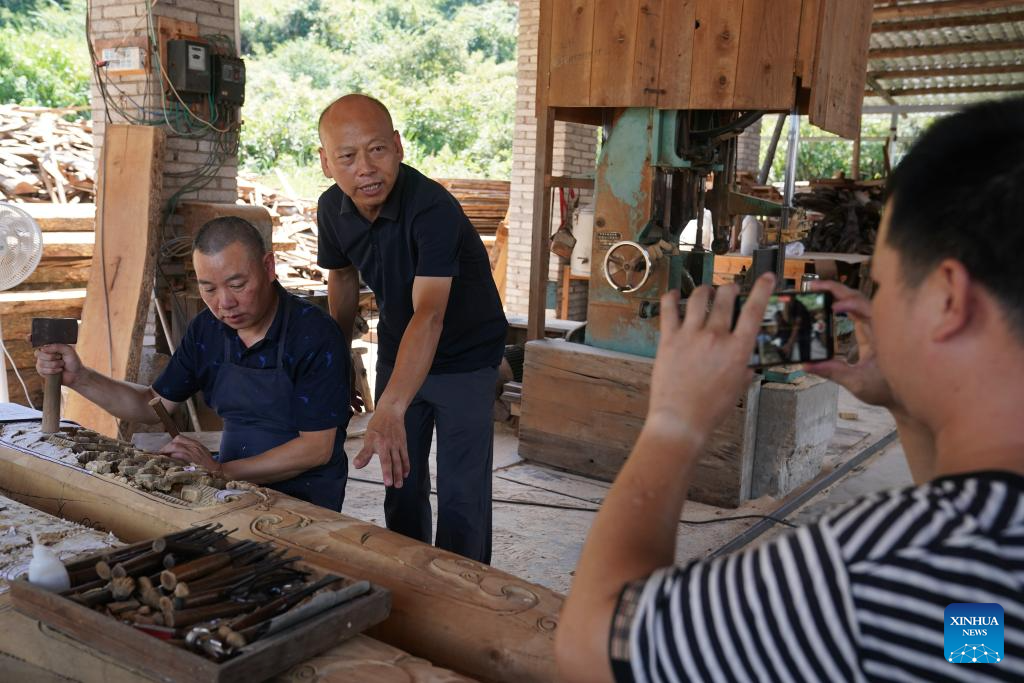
{"points": [[217, 234], [959, 194]]}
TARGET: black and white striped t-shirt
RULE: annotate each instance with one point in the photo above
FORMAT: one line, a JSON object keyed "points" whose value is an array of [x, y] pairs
{"points": [[858, 596]]}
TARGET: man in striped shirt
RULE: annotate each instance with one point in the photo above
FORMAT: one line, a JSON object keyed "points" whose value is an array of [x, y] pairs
{"points": [[861, 594]]}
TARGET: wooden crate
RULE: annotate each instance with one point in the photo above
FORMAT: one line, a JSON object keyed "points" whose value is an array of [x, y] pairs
{"points": [[161, 661], [583, 407]]}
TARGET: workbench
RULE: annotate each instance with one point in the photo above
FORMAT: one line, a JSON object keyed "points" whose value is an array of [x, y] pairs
{"points": [[827, 265], [32, 651], [477, 620]]}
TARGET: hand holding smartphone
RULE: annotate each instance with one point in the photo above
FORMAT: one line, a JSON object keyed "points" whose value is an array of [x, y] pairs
{"points": [[796, 328]]}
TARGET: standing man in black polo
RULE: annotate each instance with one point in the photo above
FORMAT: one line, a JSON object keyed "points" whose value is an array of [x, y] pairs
{"points": [[441, 331]]}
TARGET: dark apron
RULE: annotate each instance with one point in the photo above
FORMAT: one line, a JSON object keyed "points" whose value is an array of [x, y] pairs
{"points": [[254, 404]]}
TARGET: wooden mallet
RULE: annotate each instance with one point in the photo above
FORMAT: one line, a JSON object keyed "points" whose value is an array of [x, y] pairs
{"points": [[53, 331], [158, 407]]}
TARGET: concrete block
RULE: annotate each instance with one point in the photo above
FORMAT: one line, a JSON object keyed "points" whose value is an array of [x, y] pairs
{"points": [[795, 424]]}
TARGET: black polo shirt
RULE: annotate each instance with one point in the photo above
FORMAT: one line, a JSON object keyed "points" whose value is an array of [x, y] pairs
{"points": [[421, 231], [315, 358]]}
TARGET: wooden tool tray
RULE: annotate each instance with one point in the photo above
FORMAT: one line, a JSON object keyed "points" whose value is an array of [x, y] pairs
{"points": [[160, 660]]}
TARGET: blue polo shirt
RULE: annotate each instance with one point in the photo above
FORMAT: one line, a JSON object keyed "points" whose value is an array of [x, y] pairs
{"points": [[316, 359], [421, 231]]}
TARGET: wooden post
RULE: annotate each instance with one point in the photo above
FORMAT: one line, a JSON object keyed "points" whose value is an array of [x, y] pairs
{"points": [[499, 258], [563, 311], [540, 243]]}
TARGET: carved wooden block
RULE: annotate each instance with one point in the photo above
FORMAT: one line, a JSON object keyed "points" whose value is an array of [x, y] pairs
{"points": [[476, 620]]}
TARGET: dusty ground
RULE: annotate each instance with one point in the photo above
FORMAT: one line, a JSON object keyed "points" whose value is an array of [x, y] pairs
{"points": [[542, 515]]}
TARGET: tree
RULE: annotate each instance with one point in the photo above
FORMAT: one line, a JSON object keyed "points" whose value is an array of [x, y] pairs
{"points": [[824, 155], [43, 57], [445, 68]]}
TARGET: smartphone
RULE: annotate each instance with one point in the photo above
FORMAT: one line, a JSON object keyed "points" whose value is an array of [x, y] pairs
{"points": [[796, 328]]}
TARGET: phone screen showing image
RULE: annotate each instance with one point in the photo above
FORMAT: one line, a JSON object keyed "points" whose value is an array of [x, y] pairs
{"points": [[796, 328]]}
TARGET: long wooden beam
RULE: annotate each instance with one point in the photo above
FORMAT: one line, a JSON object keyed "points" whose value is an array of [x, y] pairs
{"points": [[540, 241], [878, 89], [931, 9], [952, 48], [946, 22], [123, 263], [952, 90], [457, 613], [944, 72]]}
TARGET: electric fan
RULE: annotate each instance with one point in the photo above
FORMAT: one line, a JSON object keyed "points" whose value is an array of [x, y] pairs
{"points": [[21, 247]]}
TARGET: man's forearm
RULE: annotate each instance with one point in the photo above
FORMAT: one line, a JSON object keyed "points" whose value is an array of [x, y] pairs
{"points": [[415, 356], [124, 400], [343, 301], [286, 461], [633, 534]]}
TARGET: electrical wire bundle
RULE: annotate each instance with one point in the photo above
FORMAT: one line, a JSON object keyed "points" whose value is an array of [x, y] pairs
{"points": [[162, 105]]}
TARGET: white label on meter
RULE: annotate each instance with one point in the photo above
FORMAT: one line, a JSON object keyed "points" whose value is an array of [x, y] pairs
{"points": [[197, 57]]}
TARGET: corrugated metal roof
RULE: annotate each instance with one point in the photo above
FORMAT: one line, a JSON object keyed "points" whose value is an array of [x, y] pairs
{"points": [[975, 48]]}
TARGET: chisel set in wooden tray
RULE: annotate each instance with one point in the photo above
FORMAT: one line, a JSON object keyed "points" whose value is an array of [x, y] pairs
{"points": [[204, 593]]}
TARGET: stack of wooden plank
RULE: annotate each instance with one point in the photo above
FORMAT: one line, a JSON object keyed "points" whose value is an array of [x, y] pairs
{"points": [[68, 238], [295, 233], [44, 157], [484, 201], [17, 308], [47, 169]]}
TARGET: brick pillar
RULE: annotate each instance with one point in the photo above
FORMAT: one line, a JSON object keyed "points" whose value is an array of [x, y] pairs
{"points": [[748, 149], [138, 96], [574, 152]]}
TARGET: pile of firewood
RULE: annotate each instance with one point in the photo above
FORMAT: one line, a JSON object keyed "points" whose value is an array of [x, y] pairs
{"points": [[44, 157], [851, 213], [485, 203], [294, 222]]}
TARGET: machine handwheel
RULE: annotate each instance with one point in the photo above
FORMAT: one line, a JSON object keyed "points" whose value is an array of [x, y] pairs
{"points": [[627, 266]]}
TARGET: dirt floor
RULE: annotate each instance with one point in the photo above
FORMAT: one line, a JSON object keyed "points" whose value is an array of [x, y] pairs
{"points": [[542, 515]]}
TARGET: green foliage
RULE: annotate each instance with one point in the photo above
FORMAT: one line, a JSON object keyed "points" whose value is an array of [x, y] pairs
{"points": [[445, 69], [823, 155], [43, 57]]}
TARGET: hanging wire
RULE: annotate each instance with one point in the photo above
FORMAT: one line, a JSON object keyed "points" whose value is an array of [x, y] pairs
{"points": [[17, 373]]}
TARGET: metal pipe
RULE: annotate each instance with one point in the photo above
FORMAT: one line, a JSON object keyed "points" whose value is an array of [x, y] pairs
{"points": [[789, 189], [794, 504], [773, 146], [792, 150], [855, 161], [894, 125]]}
